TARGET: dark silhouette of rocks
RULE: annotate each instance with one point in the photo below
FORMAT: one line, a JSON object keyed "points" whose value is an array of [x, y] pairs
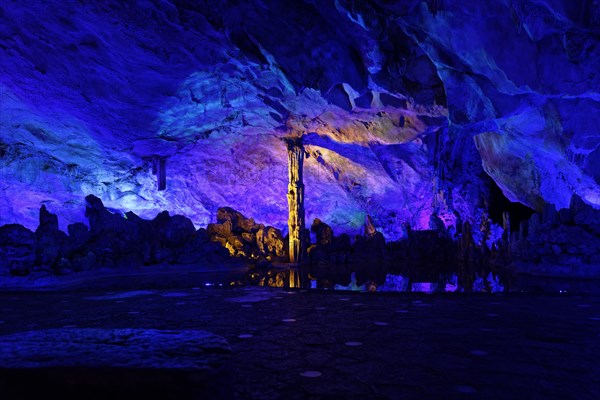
{"points": [[51, 243], [17, 250], [113, 241], [563, 243]]}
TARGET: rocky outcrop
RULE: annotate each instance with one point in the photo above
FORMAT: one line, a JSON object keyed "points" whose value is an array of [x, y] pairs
{"points": [[113, 241], [242, 237], [563, 243], [271, 241], [239, 224]]}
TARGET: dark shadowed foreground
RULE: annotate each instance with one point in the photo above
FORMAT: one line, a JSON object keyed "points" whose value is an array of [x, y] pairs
{"points": [[308, 344]]}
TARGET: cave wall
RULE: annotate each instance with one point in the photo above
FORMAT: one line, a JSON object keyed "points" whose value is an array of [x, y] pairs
{"points": [[405, 106]]}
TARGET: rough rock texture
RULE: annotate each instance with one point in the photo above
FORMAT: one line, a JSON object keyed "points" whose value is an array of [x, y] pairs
{"points": [[242, 237], [295, 196], [406, 107]]}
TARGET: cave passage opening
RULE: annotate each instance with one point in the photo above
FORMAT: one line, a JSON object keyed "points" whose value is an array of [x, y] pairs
{"points": [[499, 203]]}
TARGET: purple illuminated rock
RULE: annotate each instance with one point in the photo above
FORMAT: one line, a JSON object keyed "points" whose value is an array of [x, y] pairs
{"points": [[430, 101]]}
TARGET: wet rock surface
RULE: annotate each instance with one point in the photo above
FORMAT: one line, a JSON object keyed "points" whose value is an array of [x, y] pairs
{"points": [[297, 344]]}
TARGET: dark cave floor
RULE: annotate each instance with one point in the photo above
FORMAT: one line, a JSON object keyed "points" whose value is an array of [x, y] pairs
{"points": [[364, 345]]}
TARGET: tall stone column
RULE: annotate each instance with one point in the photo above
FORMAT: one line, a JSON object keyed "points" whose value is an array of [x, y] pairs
{"points": [[295, 197]]}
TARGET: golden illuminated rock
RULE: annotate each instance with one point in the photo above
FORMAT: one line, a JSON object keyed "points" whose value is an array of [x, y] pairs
{"points": [[295, 196]]}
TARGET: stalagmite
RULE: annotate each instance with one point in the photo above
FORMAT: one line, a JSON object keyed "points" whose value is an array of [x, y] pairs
{"points": [[295, 198]]}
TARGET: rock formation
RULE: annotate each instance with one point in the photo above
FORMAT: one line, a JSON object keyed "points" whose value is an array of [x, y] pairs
{"points": [[113, 241], [295, 197], [242, 237], [411, 113], [563, 243], [430, 106]]}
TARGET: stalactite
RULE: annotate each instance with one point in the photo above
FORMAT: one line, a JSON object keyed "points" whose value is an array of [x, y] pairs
{"points": [[162, 174], [295, 198], [159, 168]]}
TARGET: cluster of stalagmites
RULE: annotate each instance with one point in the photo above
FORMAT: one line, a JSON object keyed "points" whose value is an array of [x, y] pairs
{"points": [[562, 243], [112, 241]]}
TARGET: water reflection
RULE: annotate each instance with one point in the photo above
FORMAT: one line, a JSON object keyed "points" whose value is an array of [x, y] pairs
{"points": [[406, 278], [433, 278]]}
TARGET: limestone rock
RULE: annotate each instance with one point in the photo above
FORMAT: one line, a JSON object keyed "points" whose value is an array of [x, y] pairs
{"points": [[270, 241], [239, 223], [83, 262], [223, 229], [436, 224], [101, 220], [249, 238], [370, 248]]}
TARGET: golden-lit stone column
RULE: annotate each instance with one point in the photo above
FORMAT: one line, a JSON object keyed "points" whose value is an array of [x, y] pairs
{"points": [[295, 197]]}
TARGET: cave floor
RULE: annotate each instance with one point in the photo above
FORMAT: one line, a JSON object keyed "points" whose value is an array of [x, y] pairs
{"points": [[363, 345]]}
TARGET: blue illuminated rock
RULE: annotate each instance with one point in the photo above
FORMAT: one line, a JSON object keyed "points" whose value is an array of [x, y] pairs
{"points": [[408, 108]]}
